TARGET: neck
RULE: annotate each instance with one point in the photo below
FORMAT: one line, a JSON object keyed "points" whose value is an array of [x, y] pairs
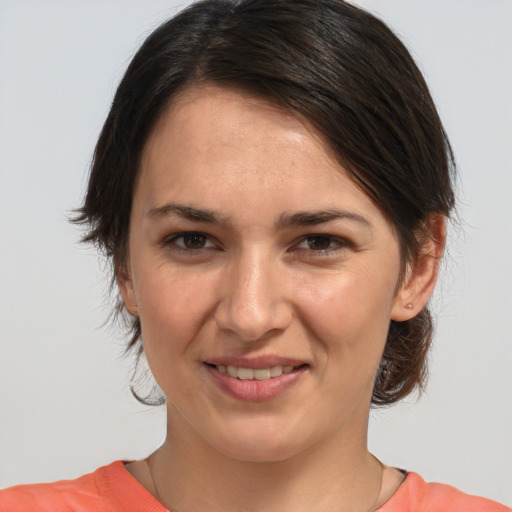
{"points": [[332, 476]]}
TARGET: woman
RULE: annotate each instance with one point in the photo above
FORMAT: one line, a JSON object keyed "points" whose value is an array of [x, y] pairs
{"points": [[272, 186]]}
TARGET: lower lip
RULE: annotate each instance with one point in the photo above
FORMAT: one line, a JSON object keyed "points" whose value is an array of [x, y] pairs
{"points": [[255, 390]]}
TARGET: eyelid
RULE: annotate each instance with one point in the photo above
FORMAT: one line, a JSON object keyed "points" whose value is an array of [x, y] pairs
{"points": [[336, 243], [339, 244], [171, 240]]}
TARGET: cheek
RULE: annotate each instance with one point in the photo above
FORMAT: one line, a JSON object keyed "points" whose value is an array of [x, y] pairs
{"points": [[173, 307], [348, 312]]}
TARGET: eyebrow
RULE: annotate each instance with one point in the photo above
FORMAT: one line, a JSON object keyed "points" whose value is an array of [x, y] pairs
{"points": [[305, 218], [188, 213], [319, 217]]}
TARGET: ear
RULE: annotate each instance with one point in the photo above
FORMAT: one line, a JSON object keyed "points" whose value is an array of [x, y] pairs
{"points": [[421, 277], [125, 285]]}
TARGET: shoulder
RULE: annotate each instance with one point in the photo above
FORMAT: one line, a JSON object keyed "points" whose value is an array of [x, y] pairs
{"points": [[61, 495], [108, 489], [416, 495]]}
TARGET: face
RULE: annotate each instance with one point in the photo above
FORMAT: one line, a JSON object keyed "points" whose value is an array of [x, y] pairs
{"points": [[264, 279]]}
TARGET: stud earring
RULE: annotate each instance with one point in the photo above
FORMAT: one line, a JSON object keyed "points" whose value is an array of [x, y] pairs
{"points": [[409, 305]]}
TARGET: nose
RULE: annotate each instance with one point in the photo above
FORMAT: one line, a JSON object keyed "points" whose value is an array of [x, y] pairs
{"points": [[253, 306]]}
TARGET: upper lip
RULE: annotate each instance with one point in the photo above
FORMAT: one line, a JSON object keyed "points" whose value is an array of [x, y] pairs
{"points": [[255, 362]]}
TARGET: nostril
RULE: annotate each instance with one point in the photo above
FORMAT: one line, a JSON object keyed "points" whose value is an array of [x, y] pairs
{"points": [[252, 321]]}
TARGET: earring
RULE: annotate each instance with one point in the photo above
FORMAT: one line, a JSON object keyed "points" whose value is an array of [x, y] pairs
{"points": [[409, 305]]}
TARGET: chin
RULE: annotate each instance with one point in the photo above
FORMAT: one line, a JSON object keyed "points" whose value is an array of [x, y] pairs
{"points": [[260, 451], [257, 442]]}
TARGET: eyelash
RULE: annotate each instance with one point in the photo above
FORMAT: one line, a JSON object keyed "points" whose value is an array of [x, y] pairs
{"points": [[335, 244], [172, 241]]}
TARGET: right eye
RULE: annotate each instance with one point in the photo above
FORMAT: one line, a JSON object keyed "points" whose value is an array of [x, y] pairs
{"points": [[190, 241]]}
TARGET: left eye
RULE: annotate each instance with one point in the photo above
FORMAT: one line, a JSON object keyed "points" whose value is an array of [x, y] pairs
{"points": [[320, 243]]}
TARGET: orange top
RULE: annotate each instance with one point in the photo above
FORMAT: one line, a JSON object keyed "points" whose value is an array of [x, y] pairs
{"points": [[112, 489]]}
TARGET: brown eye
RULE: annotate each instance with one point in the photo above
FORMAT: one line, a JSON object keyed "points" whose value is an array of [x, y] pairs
{"points": [[318, 242], [194, 240], [190, 244]]}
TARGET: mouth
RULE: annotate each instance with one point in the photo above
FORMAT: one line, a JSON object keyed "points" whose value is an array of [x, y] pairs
{"points": [[242, 373], [257, 380]]}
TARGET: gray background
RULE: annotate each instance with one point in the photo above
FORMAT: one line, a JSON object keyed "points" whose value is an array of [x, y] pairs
{"points": [[65, 405]]}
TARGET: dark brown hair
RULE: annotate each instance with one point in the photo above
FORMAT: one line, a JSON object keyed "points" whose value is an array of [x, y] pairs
{"points": [[326, 61]]}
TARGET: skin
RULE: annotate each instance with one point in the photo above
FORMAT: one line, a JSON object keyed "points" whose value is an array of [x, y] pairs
{"points": [[257, 281]]}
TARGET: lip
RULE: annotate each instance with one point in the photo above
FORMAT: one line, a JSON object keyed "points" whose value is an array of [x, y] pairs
{"points": [[255, 390], [256, 362]]}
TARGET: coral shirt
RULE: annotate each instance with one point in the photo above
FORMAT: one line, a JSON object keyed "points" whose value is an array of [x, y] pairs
{"points": [[112, 489]]}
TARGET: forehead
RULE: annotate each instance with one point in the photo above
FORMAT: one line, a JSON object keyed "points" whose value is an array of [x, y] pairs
{"points": [[206, 118], [224, 148]]}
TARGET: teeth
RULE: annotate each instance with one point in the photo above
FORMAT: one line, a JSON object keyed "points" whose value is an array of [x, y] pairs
{"points": [[276, 371], [251, 373], [245, 373], [262, 374]]}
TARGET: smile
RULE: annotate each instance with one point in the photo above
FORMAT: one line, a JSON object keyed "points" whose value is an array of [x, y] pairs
{"points": [[254, 373], [266, 382]]}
